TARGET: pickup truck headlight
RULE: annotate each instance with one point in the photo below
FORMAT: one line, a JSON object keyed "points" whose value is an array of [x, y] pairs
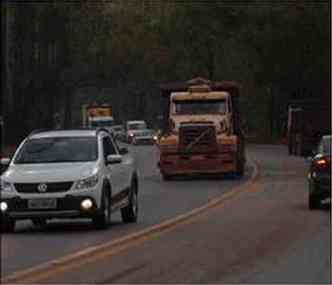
{"points": [[6, 186], [87, 182]]}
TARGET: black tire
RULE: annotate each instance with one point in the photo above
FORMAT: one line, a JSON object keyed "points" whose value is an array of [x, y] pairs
{"points": [[166, 177], [130, 212], [7, 225], [39, 222], [314, 202], [239, 169], [290, 148], [102, 219]]}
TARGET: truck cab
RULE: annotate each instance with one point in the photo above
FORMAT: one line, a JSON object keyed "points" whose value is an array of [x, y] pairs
{"points": [[202, 134], [97, 116], [101, 122], [201, 105]]}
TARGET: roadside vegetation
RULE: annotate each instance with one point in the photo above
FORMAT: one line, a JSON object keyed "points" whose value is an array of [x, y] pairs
{"points": [[118, 52]]}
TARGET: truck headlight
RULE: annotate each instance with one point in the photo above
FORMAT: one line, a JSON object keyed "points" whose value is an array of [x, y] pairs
{"points": [[87, 182], [6, 186]]}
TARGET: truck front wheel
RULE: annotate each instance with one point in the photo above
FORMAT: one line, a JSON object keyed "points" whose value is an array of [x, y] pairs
{"points": [[166, 177], [240, 168]]}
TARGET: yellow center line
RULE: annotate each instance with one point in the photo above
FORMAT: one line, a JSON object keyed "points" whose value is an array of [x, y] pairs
{"points": [[72, 261]]}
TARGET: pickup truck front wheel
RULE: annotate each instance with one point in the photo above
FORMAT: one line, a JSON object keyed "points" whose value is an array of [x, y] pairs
{"points": [[130, 212], [103, 218]]}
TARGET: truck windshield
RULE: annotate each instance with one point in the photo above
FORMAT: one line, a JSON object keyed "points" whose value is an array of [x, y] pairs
{"points": [[187, 107], [98, 124], [137, 126], [58, 149]]}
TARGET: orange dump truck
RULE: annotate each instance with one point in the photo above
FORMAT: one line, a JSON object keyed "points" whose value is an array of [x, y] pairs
{"points": [[201, 130]]}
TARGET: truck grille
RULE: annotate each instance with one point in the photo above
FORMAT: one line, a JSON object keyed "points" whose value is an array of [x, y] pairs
{"points": [[197, 138], [51, 187]]}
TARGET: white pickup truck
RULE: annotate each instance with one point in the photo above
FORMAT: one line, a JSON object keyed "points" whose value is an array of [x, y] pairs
{"points": [[68, 174]]}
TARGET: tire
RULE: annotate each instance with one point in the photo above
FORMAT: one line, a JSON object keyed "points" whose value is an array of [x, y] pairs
{"points": [[7, 225], [102, 219], [166, 177], [39, 222], [239, 169], [130, 212], [314, 202], [290, 148]]}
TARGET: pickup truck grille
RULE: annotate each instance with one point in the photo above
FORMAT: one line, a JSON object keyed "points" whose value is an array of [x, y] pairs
{"points": [[198, 138], [51, 187]]}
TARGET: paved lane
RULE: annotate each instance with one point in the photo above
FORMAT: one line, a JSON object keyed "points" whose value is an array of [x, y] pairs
{"points": [[159, 201], [266, 234]]}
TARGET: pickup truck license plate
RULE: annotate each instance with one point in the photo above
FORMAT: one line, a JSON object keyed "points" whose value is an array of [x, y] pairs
{"points": [[42, 203]]}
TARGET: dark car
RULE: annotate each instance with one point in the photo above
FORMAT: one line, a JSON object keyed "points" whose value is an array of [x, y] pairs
{"points": [[320, 174]]}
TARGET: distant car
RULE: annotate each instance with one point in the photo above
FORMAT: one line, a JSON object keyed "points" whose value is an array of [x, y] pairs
{"points": [[137, 132], [118, 132], [319, 176], [69, 174], [134, 128], [146, 136]]}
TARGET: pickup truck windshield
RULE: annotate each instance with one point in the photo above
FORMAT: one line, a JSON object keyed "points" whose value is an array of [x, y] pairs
{"points": [[58, 149], [187, 107]]}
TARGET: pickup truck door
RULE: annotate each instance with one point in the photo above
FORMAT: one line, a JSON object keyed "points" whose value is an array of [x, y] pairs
{"points": [[114, 170], [126, 167]]}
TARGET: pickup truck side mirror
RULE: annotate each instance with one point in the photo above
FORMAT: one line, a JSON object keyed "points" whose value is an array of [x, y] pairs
{"points": [[114, 159]]}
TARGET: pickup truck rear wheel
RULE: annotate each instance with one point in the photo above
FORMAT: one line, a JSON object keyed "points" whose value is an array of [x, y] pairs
{"points": [[130, 212]]}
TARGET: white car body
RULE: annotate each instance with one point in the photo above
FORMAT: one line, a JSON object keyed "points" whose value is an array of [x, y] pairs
{"points": [[135, 129], [118, 176]]}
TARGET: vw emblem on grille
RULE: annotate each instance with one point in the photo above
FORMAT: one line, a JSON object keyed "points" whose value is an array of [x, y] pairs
{"points": [[42, 188]]}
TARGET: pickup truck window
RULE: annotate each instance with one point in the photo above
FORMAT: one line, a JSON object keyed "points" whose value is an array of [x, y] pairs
{"points": [[108, 147], [57, 150]]}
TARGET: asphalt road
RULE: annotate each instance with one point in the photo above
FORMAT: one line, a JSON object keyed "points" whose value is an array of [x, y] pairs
{"points": [[158, 201], [266, 234]]}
